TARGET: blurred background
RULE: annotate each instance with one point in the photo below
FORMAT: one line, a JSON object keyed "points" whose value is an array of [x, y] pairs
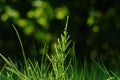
{"points": [[94, 26]]}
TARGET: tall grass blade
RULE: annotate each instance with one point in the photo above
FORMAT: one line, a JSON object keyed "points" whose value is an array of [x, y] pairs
{"points": [[23, 52]]}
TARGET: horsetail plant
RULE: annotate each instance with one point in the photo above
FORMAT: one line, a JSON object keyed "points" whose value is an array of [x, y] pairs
{"points": [[58, 57]]}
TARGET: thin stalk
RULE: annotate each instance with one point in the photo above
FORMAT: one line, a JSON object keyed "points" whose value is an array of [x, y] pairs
{"points": [[23, 52]]}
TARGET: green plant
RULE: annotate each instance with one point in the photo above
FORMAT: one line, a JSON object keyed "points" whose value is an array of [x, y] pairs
{"points": [[62, 69], [58, 58], [31, 70]]}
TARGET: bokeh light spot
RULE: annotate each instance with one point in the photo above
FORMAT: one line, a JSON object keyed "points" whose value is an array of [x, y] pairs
{"points": [[30, 14], [61, 12], [22, 22], [90, 21], [28, 30], [36, 3], [96, 28], [43, 22], [11, 12], [4, 17]]}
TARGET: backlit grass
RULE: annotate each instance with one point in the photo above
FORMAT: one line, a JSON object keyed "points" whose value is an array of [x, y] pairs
{"points": [[61, 67]]}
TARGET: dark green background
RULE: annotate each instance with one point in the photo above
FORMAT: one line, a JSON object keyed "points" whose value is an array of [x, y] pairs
{"points": [[94, 25]]}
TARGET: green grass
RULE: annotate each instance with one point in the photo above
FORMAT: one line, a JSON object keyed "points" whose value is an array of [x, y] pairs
{"points": [[63, 65]]}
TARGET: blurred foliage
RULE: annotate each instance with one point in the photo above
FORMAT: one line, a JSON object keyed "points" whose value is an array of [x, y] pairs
{"points": [[93, 25]]}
